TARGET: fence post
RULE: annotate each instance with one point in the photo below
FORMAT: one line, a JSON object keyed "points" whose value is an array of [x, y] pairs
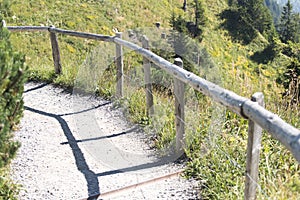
{"points": [[147, 76], [119, 64], [3, 23], [253, 150], [55, 51], [179, 109]]}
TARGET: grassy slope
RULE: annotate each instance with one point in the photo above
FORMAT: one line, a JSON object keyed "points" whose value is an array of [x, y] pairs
{"points": [[239, 75], [88, 16], [277, 169]]}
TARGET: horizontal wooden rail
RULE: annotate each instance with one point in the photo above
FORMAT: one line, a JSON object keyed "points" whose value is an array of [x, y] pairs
{"points": [[28, 28], [82, 34], [227, 98], [288, 135], [51, 29]]}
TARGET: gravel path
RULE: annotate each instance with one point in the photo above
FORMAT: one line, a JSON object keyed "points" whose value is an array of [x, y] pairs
{"points": [[75, 147]]}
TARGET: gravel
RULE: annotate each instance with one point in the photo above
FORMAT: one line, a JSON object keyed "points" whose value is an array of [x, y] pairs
{"points": [[76, 146]]}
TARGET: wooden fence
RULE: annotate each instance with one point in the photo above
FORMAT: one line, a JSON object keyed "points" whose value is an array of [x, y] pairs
{"points": [[252, 109]]}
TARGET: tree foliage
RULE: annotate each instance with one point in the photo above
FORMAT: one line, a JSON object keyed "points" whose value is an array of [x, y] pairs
{"points": [[289, 33], [295, 4], [193, 28], [12, 80], [257, 15], [275, 10], [184, 30], [246, 18], [288, 27], [290, 79]]}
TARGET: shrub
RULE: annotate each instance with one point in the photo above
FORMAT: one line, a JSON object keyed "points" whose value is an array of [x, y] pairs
{"points": [[12, 78]]}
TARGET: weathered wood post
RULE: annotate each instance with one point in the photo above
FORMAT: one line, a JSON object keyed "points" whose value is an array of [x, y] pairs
{"points": [[55, 51], [119, 64], [179, 109], [3, 23], [253, 150], [147, 78], [184, 6]]}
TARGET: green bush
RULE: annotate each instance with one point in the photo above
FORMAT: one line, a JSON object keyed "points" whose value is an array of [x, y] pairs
{"points": [[12, 78], [290, 79], [5, 7]]}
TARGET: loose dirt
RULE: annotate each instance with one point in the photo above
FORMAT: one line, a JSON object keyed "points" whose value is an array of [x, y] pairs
{"points": [[76, 146]]}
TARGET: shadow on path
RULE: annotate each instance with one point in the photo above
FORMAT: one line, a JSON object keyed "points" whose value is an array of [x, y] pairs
{"points": [[90, 176], [158, 163], [36, 88], [86, 110], [82, 166], [106, 137]]}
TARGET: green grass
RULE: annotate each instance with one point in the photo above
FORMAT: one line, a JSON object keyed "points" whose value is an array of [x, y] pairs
{"points": [[91, 16], [216, 138], [8, 189]]}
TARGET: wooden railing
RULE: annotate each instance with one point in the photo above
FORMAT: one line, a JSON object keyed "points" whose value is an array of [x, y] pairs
{"points": [[252, 109]]}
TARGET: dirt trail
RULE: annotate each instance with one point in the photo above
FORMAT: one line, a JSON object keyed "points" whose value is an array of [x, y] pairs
{"points": [[75, 147]]}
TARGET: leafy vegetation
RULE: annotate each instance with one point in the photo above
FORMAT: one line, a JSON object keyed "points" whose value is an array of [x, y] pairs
{"points": [[295, 4], [238, 48], [275, 10], [245, 19], [289, 34], [12, 78], [289, 24], [192, 28], [290, 78]]}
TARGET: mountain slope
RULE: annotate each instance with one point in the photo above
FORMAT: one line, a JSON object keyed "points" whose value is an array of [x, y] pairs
{"points": [[243, 68], [88, 16]]}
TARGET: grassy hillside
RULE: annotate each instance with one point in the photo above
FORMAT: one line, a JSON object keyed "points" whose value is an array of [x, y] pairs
{"points": [[217, 137], [88, 16], [244, 76]]}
